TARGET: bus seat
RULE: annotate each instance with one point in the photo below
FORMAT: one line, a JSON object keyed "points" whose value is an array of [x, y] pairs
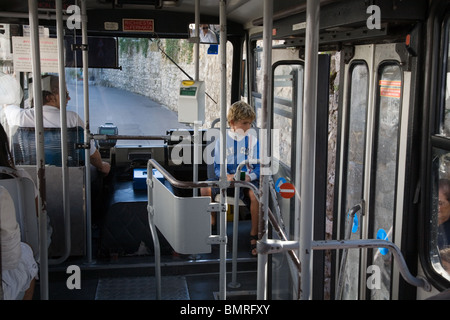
{"points": [[55, 207], [22, 192], [24, 146]]}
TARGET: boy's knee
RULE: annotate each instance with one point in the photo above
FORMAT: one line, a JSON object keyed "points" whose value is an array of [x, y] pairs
{"points": [[205, 191]]}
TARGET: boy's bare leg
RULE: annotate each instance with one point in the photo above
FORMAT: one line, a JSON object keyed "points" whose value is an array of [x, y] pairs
{"points": [[254, 208], [207, 192]]}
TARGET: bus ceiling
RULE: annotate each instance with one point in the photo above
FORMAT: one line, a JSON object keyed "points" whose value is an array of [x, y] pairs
{"points": [[339, 20], [343, 21]]}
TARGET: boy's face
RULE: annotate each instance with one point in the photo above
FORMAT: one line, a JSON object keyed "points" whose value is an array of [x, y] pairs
{"points": [[243, 125]]}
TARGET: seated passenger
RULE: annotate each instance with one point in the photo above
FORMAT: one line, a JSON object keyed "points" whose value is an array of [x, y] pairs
{"points": [[19, 268], [240, 146], [444, 214], [16, 116]]}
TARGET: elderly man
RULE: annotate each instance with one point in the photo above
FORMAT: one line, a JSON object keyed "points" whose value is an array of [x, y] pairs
{"points": [[16, 116]]}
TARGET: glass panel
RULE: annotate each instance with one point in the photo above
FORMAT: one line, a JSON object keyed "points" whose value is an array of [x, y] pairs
{"points": [[445, 127], [440, 198], [355, 170], [288, 97], [440, 217], [146, 88], [387, 133], [288, 83]]}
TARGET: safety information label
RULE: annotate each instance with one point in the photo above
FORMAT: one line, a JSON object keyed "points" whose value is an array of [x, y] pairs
{"points": [[22, 54]]}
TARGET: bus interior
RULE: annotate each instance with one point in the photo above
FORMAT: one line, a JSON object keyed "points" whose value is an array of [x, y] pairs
{"points": [[351, 116]]}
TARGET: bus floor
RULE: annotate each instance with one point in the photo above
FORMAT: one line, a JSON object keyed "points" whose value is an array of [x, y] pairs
{"points": [[183, 277]]}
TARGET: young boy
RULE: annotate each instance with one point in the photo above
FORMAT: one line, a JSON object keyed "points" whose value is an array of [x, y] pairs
{"points": [[240, 146]]}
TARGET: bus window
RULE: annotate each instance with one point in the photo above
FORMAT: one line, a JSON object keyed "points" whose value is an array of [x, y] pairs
{"points": [[440, 197], [139, 90], [385, 164], [288, 91], [440, 213], [354, 180], [445, 124], [288, 79]]}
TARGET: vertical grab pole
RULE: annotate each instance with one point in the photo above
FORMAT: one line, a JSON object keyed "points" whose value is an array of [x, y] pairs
{"points": [[197, 156], [234, 284], [156, 245], [63, 120], [87, 133], [40, 155], [197, 37], [223, 173], [265, 147], [308, 147], [197, 124]]}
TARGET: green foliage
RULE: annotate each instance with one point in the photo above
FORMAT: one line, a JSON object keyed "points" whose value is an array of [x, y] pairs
{"points": [[179, 50], [172, 49], [126, 45], [187, 50]]}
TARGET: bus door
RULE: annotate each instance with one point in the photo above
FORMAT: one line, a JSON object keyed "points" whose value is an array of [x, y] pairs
{"points": [[287, 102], [373, 133], [288, 84]]}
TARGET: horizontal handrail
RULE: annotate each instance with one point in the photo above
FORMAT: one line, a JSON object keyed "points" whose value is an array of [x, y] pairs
{"points": [[376, 243], [200, 184], [129, 137], [274, 246]]}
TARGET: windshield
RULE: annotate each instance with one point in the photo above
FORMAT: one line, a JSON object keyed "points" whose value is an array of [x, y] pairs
{"points": [[133, 83]]}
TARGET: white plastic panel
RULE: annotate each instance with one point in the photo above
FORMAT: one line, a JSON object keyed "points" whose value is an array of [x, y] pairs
{"points": [[184, 222], [22, 192]]}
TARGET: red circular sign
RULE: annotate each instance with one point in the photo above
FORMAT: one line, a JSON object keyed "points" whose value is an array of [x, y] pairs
{"points": [[287, 190]]}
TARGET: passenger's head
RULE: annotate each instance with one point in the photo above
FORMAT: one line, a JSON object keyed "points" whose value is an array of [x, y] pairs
{"points": [[240, 110], [5, 154], [50, 91], [444, 201], [240, 116], [204, 28]]}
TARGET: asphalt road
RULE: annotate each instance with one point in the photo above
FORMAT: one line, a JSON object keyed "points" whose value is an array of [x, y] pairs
{"points": [[133, 114]]}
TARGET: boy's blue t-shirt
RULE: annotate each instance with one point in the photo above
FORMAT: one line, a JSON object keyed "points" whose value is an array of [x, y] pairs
{"points": [[239, 148]]}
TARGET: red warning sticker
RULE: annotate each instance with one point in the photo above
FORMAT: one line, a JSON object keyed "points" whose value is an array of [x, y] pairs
{"points": [[390, 88]]}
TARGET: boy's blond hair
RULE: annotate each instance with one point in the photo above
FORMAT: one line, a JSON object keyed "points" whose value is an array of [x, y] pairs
{"points": [[240, 110]]}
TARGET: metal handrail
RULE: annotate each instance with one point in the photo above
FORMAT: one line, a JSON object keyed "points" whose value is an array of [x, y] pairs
{"points": [[183, 185], [351, 215], [275, 246], [200, 184], [129, 137], [376, 243], [152, 163]]}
